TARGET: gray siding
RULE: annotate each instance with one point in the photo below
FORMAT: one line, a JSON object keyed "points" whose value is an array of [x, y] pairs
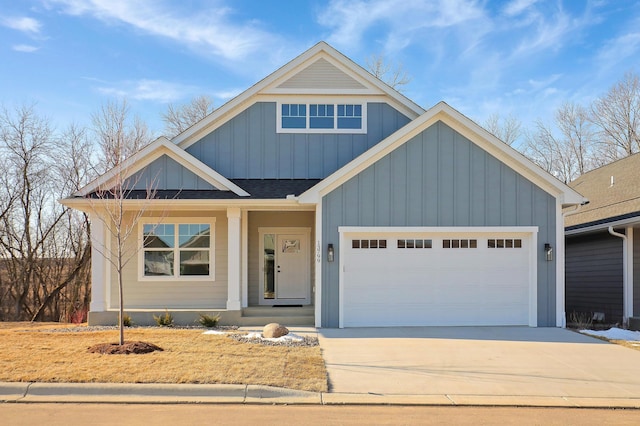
{"points": [[636, 272], [166, 173], [594, 275], [321, 75], [248, 147], [439, 178]]}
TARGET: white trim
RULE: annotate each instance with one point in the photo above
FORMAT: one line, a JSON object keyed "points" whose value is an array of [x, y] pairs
{"points": [[561, 319], [272, 81], [531, 233], [153, 151], [234, 236], [461, 124], [306, 231], [176, 277], [319, 264], [99, 266], [245, 257], [308, 101], [628, 308]]}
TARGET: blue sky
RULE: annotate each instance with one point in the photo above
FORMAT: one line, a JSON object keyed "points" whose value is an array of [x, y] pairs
{"points": [[520, 57]]}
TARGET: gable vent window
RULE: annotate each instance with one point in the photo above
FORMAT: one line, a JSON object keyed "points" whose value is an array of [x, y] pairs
{"points": [[322, 118]]}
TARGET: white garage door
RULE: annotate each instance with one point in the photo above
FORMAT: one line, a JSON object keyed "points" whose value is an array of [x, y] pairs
{"points": [[428, 278]]}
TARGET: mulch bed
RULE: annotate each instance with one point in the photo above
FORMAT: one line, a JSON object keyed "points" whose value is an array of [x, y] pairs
{"points": [[126, 349]]}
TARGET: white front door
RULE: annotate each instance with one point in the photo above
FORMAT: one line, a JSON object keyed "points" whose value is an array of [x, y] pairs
{"points": [[285, 266]]}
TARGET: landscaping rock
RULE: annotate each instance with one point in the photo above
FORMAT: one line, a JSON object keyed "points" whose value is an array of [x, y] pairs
{"points": [[274, 330]]}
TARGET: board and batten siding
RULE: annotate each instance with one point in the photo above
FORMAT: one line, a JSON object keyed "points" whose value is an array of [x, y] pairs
{"points": [[248, 146], [439, 178], [271, 219], [594, 275], [165, 173], [177, 294]]}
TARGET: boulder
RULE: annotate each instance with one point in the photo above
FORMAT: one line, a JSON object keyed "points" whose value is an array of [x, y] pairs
{"points": [[274, 330]]}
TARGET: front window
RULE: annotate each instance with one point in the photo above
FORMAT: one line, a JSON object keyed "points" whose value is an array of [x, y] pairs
{"points": [[177, 249]]}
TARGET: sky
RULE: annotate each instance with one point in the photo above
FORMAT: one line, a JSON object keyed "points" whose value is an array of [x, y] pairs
{"points": [[522, 58]]}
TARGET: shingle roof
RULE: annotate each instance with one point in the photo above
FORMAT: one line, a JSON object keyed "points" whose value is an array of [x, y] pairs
{"points": [[267, 189], [613, 192]]}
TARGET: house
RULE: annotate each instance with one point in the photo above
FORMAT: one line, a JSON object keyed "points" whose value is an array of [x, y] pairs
{"points": [[603, 244], [322, 196]]}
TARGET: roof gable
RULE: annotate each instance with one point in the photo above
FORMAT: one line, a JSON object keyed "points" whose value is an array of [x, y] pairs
{"points": [[613, 190], [311, 71], [321, 74], [152, 152], [467, 128]]}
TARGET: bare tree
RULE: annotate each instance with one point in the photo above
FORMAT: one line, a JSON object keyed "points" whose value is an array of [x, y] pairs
{"points": [[36, 253], [119, 140], [506, 129], [177, 119], [578, 136], [396, 77], [617, 115], [118, 134]]}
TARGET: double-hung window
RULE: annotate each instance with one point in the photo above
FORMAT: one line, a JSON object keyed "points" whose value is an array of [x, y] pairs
{"points": [[177, 250], [322, 117]]}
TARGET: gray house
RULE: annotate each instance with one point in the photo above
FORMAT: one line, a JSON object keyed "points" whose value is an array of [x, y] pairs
{"points": [[322, 196], [603, 244]]}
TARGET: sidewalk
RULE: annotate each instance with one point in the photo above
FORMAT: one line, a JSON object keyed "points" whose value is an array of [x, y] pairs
{"points": [[249, 394]]}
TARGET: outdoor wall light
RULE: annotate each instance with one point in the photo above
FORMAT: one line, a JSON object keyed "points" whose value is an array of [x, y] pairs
{"points": [[548, 252], [330, 253]]}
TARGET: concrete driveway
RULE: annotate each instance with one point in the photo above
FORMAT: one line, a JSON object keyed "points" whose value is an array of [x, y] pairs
{"points": [[467, 364]]}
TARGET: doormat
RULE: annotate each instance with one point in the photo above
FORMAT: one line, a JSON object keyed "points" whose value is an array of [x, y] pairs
{"points": [[287, 306]]}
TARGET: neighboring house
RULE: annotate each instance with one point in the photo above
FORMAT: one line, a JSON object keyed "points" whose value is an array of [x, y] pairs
{"points": [[323, 189], [603, 244]]}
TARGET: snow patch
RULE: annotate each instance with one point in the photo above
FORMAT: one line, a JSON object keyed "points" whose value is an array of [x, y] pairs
{"points": [[287, 338], [615, 334], [214, 332]]}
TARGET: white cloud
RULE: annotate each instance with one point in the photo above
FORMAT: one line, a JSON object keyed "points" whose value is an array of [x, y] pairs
{"points": [[516, 7], [23, 23], [25, 48], [406, 22], [147, 90], [619, 49], [209, 32]]}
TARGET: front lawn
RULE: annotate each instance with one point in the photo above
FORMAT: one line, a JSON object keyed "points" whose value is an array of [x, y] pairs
{"points": [[34, 353]]}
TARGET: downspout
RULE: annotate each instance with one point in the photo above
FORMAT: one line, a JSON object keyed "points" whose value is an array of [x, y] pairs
{"points": [[625, 276]]}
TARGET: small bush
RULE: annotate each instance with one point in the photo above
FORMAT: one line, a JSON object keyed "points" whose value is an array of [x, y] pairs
{"points": [[209, 321], [127, 321], [580, 320], [164, 320]]}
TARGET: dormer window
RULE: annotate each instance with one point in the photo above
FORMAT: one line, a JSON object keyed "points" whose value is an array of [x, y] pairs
{"points": [[321, 118]]}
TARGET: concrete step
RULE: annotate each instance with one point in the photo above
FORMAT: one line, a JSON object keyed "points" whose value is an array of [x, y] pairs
{"points": [[288, 316]]}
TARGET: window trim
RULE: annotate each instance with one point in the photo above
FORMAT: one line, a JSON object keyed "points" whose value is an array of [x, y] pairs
{"points": [[322, 101], [176, 249]]}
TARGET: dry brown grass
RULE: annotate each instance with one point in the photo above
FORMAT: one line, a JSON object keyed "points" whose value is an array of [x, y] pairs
{"points": [[29, 353]]}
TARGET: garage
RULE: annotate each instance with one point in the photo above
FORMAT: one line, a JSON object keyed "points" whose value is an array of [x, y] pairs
{"points": [[437, 277]]}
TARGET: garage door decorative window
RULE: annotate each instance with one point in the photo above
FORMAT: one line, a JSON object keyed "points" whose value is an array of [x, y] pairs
{"points": [[369, 244], [504, 243], [412, 243], [459, 244]]}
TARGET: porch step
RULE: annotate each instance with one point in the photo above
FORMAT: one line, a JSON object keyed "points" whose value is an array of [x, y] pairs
{"points": [[287, 316]]}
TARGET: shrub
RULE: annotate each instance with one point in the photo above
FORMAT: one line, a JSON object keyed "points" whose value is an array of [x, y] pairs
{"points": [[164, 320], [209, 321], [126, 319], [580, 320]]}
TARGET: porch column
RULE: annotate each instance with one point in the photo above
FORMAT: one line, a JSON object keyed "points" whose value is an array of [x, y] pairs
{"points": [[98, 267], [234, 257]]}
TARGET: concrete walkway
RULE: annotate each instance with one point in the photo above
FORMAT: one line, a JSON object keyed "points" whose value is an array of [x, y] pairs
{"points": [[509, 366]]}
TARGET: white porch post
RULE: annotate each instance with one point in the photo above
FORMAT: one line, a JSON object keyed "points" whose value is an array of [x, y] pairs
{"points": [[234, 259], [98, 267]]}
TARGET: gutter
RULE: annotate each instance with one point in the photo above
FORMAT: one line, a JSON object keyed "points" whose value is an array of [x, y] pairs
{"points": [[627, 295]]}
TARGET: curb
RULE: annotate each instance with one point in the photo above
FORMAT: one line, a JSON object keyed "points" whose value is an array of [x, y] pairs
{"points": [[138, 393]]}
